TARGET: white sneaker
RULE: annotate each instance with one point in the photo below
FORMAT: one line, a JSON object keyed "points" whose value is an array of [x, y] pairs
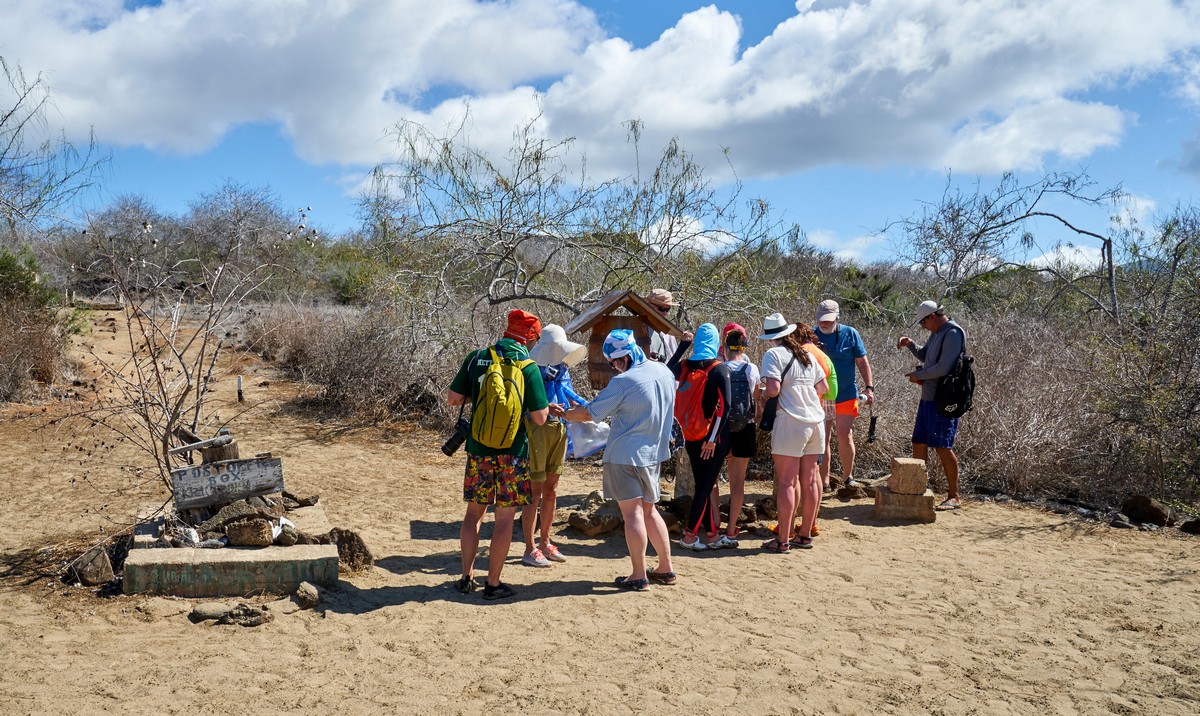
{"points": [[535, 559], [551, 552]]}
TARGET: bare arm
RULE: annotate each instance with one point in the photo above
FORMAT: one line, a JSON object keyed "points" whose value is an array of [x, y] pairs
{"points": [[454, 398], [864, 367]]}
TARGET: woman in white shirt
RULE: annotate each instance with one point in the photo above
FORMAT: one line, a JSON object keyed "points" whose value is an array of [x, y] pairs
{"points": [[792, 375]]}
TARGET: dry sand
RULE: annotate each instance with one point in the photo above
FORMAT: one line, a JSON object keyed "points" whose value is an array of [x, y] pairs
{"points": [[992, 610]]}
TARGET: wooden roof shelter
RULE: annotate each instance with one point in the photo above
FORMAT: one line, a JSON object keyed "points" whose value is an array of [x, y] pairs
{"points": [[642, 317]]}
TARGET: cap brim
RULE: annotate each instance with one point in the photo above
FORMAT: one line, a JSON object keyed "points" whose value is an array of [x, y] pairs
{"points": [[827, 317]]}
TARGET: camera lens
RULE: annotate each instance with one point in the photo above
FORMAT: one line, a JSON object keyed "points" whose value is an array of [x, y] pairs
{"points": [[456, 439]]}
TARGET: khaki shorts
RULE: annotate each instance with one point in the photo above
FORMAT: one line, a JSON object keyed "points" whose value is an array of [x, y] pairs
{"points": [[547, 449], [630, 482], [796, 439]]}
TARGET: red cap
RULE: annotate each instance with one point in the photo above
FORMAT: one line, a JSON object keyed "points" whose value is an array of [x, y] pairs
{"points": [[523, 326]]}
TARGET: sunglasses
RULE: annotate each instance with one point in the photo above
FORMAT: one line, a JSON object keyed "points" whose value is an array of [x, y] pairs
{"points": [[663, 309]]}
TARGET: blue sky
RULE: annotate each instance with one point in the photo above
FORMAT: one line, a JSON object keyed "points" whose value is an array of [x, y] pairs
{"points": [[844, 116]]}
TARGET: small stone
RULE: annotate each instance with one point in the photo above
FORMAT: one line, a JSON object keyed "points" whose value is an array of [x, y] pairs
{"points": [[233, 512], [247, 616], [1120, 523], [854, 492], [92, 568], [251, 533], [1147, 509], [353, 553], [288, 536], [597, 521], [210, 611], [307, 595], [908, 476], [767, 508], [1148, 527]]}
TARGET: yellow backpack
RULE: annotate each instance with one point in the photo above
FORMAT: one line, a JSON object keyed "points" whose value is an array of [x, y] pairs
{"points": [[496, 417]]}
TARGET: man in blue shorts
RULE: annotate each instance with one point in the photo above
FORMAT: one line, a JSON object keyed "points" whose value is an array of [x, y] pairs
{"points": [[946, 341], [846, 350]]}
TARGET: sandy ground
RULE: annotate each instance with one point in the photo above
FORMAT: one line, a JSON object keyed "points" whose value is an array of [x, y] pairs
{"points": [[992, 610]]}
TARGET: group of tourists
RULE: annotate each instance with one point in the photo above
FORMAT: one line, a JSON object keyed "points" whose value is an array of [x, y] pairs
{"points": [[805, 392]]}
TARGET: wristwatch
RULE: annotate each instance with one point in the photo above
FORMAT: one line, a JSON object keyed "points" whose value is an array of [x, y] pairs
{"points": [[868, 387]]}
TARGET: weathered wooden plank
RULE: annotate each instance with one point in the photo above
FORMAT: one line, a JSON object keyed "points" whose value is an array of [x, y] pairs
{"points": [[219, 482]]}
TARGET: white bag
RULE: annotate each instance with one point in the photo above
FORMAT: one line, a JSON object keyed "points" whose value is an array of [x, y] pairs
{"points": [[587, 438]]}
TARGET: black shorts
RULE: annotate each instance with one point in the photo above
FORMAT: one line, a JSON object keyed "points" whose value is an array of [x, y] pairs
{"points": [[744, 443]]}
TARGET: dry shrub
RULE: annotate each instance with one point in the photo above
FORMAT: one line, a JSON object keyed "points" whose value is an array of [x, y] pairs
{"points": [[366, 361], [32, 340]]}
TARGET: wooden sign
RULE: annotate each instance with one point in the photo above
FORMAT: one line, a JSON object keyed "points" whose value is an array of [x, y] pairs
{"points": [[220, 482]]}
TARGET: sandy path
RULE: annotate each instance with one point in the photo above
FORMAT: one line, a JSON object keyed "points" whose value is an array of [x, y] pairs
{"points": [[992, 610]]}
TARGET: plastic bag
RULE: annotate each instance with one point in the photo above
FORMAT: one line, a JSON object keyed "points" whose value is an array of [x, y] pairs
{"points": [[587, 438]]}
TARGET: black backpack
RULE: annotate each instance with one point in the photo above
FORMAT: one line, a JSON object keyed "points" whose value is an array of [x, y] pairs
{"points": [[956, 389], [741, 399]]}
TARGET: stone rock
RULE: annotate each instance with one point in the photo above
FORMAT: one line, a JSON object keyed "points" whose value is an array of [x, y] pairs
{"points": [[92, 568], [1191, 527], [288, 536], [893, 506], [679, 506], [674, 524], [307, 538], [353, 553], [294, 501], [247, 616], [854, 492], [1147, 509], [251, 533], [1148, 527], [908, 476], [307, 595], [594, 499], [233, 512], [1121, 522], [210, 611], [767, 508], [599, 520], [266, 506], [871, 486]]}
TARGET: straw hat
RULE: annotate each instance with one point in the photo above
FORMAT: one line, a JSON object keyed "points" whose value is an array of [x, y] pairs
{"points": [[775, 326], [554, 348]]}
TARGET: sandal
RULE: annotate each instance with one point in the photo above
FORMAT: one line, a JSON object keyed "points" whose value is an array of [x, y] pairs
{"points": [[666, 578], [465, 585], [637, 585], [950, 504], [803, 542], [500, 591], [725, 542], [776, 546]]}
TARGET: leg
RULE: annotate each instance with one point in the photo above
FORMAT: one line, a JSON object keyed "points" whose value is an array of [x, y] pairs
{"points": [[737, 491], [810, 489], [787, 469], [635, 535], [529, 514], [501, 541], [845, 438], [950, 466], [827, 459], [468, 536], [656, 532], [549, 502]]}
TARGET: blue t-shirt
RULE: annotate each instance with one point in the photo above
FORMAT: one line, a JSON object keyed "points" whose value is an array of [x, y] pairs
{"points": [[843, 346], [641, 403]]}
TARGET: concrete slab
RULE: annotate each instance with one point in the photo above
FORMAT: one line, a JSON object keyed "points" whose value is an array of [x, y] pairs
{"points": [[231, 571], [910, 508]]}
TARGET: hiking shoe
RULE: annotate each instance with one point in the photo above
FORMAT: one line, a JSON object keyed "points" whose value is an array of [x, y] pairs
{"points": [[535, 559], [500, 591], [551, 552]]}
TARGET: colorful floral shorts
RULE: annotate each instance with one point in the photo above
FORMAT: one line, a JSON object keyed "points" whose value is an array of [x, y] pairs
{"points": [[500, 480]]}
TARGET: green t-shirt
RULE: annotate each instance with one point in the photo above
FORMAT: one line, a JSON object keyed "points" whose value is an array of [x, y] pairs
{"points": [[470, 373]]}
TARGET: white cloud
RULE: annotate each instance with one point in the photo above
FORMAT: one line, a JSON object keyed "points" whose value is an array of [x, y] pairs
{"points": [[981, 86], [853, 249], [1070, 256]]}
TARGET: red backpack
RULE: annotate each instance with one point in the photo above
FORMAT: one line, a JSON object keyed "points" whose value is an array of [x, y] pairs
{"points": [[689, 403]]}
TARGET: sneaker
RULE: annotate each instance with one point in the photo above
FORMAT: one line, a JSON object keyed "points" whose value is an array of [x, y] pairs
{"points": [[535, 559], [552, 553], [500, 591]]}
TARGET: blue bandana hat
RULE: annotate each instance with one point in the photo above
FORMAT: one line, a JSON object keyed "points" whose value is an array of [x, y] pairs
{"points": [[620, 343], [707, 341]]}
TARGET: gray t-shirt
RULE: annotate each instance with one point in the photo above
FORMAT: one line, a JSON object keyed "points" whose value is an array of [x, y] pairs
{"points": [[641, 403], [938, 356]]}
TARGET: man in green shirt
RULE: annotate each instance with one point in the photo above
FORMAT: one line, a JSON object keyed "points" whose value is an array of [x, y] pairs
{"points": [[497, 476]]}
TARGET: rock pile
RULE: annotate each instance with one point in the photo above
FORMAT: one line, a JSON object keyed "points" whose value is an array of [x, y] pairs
{"points": [[907, 495]]}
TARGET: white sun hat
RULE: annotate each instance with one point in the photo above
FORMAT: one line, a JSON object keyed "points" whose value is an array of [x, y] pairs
{"points": [[554, 348], [775, 326]]}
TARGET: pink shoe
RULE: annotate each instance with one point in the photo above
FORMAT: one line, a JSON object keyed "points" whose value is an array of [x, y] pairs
{"points": [[552, 553], [535, 559]]}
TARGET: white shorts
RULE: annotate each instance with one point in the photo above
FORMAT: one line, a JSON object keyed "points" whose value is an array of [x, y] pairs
{"points": [[796, 439]]}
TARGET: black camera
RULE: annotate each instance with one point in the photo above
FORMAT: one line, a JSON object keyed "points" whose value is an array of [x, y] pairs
{"points": [[461, 429]]}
